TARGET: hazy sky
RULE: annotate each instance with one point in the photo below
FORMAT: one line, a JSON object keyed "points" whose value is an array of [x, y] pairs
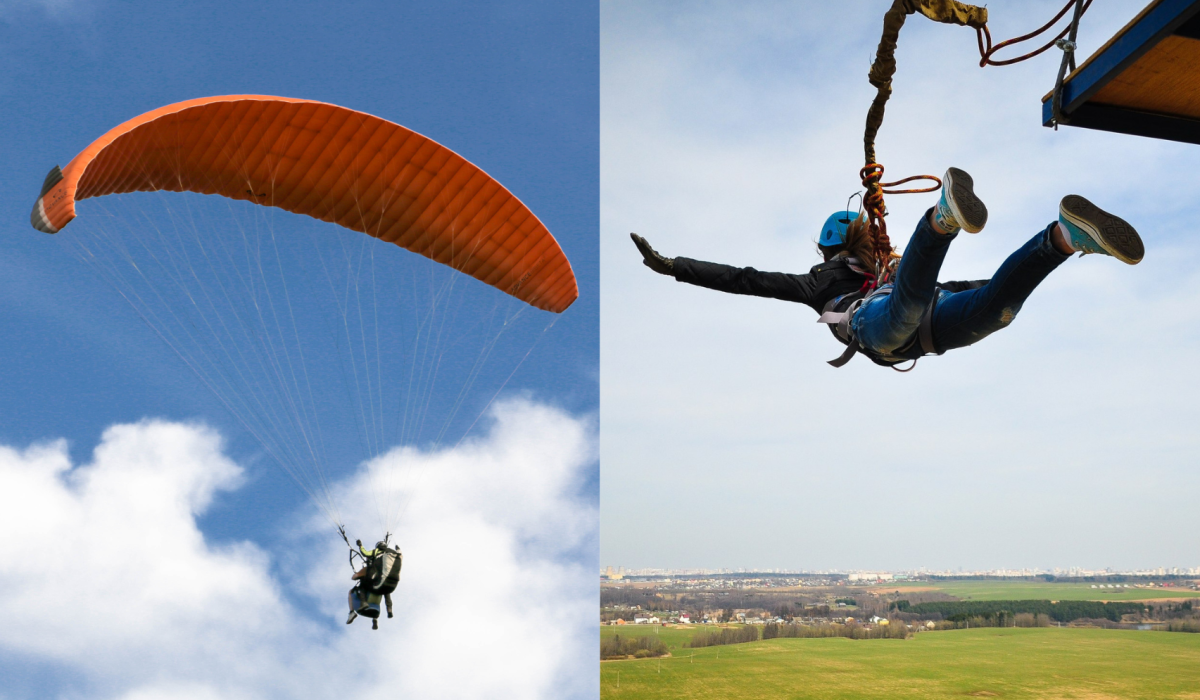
{"points": [[148, 546], [729, 131]]}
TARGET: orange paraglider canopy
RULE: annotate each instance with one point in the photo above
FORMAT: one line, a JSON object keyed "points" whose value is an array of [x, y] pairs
{"points": [[331, 163]]}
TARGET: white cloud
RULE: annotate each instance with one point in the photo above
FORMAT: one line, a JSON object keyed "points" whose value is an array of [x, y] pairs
{"points": [[106, 579]]}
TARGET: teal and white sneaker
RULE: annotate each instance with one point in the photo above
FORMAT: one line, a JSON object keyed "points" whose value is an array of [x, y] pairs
{"points": [[959, 207], [1090, 229]]}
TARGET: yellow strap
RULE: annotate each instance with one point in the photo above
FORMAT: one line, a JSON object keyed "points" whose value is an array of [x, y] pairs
{"points": [[950, 12]]}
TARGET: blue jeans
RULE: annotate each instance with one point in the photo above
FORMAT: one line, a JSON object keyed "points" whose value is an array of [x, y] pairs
{"points": [[887, 324]]}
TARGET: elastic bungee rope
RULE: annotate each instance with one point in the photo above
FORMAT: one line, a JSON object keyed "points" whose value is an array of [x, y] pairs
{"points": [[882, 70]]}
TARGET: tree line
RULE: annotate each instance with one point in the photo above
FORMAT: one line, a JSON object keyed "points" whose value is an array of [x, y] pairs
{"points": [[1061, 611], [725, 635], [618, 647], [893, 630]]}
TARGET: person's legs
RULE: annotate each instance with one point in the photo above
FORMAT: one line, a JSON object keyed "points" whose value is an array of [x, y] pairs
{"points": [[885, 323], [353, 605], [387, 598], [964, 318]]}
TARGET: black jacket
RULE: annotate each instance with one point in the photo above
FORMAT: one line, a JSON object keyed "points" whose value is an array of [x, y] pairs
{"points": [[823, 283]]}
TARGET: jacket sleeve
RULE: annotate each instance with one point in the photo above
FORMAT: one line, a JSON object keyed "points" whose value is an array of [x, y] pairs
{"points": [[746, 280]]}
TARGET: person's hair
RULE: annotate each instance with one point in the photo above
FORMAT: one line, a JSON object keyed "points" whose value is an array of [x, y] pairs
{"points": [[858, 243]]}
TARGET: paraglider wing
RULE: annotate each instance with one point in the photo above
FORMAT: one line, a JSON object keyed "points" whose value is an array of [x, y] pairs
{"points": [[331, 163]]}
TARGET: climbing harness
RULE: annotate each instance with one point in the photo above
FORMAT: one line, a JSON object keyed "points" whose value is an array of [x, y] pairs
{"points": [[839, 323]]}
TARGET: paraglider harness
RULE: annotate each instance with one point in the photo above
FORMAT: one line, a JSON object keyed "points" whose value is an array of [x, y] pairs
{"points": [[381, 569]]}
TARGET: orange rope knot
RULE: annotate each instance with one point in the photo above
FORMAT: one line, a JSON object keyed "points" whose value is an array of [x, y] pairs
{"points": [[872, 176]]}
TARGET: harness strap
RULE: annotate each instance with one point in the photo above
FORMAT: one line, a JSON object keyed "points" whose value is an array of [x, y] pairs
{"points": [[925, 329], [851, 349], [841, 319], [840, 322]]}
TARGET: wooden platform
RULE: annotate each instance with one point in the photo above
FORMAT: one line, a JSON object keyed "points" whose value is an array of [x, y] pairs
{"points": [[1145, 81]]}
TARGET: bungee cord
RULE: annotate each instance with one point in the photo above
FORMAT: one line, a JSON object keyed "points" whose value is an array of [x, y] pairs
{"points": [[884, 67]]}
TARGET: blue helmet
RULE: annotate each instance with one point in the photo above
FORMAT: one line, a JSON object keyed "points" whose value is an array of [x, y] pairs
{"points": [[833, 233]]}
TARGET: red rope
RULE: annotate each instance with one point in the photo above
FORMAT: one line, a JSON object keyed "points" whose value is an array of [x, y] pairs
{"points": [[985, 54]]}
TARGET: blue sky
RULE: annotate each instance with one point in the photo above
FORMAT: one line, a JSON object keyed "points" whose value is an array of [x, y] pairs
{"points": [[511, 86], [729, 132]]}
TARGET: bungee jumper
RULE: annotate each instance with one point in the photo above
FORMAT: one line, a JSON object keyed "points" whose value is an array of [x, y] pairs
{"points": [[377, 578], [892, 308], [913, 314]]}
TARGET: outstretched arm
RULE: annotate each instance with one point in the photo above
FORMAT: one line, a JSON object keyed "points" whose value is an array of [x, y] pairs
{"points": [[732, 280], [746, 280]]}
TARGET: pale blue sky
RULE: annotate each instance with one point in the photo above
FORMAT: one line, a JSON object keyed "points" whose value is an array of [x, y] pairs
{"points": [[729, 131]]}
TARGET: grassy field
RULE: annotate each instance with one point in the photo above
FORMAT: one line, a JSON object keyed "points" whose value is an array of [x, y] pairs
{"points": [[1031, 590], [1009, 663]]}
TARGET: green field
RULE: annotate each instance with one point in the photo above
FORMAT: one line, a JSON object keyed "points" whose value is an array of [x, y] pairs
{"points": [[1033, 590], [989, 662]]}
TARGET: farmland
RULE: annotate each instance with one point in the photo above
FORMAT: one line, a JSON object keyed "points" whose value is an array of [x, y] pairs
{"points": [[988, 662]]}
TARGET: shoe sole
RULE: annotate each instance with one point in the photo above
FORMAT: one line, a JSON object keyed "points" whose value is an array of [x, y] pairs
{"points": [[1113, 233], [969, 209]]}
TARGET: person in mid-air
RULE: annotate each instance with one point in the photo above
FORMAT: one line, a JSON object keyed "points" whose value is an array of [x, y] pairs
{"points": [[378, 577], [914, 314]]}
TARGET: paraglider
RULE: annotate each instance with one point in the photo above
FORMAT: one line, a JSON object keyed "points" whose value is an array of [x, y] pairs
{"points": [[377, 579], [230, 299], [915, 315], [331, 163]]}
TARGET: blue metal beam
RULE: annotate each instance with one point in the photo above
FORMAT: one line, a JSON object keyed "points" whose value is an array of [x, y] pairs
{"points": [[1161, 21]]}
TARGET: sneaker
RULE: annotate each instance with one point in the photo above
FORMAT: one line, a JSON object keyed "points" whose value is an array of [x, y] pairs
{"points": [[959, 207], [353, 616], [1092, 230], [374, 624]]}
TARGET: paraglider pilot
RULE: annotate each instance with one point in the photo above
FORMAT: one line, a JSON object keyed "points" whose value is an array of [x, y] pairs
{"points": [[376, 579], [914, 314]]}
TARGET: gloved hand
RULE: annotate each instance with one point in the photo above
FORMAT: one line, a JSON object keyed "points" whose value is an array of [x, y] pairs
{"points": [[651, 258]]}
